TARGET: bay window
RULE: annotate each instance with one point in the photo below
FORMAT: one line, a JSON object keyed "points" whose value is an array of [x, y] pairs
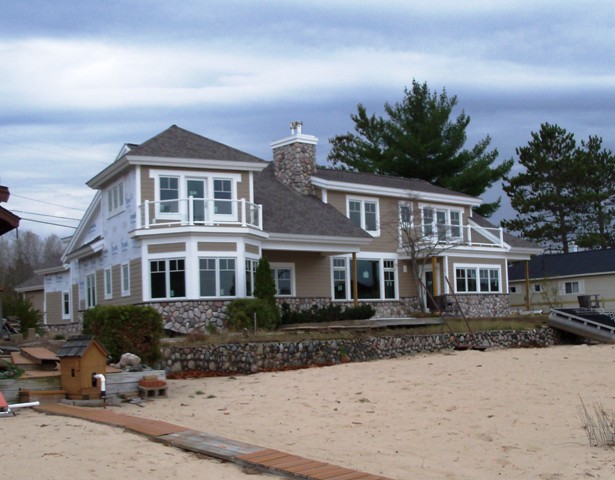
{"points": [[217, 277]]}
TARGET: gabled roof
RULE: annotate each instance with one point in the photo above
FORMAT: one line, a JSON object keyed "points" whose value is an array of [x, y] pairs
{"points": [[389, 182], [288, 212], [175, 142], [77, 346], [589, 262]]}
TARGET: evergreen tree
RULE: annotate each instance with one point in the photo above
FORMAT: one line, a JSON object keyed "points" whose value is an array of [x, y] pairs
{"points": [[546, 194], [264, 286], [419, 140], [596, 178]]}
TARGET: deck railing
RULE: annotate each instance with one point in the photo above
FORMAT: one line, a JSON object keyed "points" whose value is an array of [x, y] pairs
{"points": [[193, 211], [448, 234]]}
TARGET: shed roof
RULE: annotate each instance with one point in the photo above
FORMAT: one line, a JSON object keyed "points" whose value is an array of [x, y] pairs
{"points": [[77, 346]]}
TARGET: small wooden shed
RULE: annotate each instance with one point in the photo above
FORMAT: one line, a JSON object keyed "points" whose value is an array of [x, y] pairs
{"points": [[80, 357]]}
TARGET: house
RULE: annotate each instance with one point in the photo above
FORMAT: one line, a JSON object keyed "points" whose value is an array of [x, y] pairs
{"points": [[8, 220], [557, 280], [180, 222]]}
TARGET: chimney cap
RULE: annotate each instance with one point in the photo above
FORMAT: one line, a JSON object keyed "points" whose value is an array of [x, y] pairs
{"points": [[296, 136]]}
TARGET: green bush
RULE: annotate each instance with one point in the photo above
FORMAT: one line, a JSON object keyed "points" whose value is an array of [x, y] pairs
{"points": [[329, 313], [123, 329], [264, 285], [9, 370], [24, 311], [241, 314]]}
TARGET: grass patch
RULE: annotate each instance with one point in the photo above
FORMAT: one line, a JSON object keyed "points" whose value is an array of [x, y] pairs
{"points": [[457, 325]]}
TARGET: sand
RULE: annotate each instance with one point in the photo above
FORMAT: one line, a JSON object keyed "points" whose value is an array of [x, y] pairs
{"points": [[451, 415]]}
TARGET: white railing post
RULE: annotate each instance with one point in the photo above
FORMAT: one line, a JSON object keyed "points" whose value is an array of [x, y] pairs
{"points": [[469, 235], [190, 210], [501, 236], [243, 212], [146, 213], [260, 217]]}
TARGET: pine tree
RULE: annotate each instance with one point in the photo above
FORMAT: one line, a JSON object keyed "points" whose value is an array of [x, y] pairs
{"points": [[264, 286], [419, 140]]}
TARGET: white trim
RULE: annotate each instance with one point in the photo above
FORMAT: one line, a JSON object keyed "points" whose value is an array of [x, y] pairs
{"points": [[86, 220], [366, 189], [363, 200], [66, 315], [285, 266], [478, 267], [297, 138], [108, 283], [125, 278], [379, 257]]}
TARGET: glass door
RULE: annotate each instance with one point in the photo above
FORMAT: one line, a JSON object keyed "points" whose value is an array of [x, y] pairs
{"points": [[197, 190]]}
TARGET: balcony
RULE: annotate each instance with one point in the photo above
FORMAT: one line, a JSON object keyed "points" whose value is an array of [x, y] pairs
{"points": [[193, 211], [447, 236]]}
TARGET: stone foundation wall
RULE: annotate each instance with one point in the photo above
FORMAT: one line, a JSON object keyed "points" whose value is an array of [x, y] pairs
{"points": [[384, 309], [255, 357], [192, 316], [475, 306], [65, 329]]}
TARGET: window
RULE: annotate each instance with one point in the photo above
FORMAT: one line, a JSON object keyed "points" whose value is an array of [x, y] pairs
{"points": [[169, 194], [168, 278], [125, 279], [108, 284], [115, 198], [90, 291], [223, 195], [513, 289], [364, 213], [571, 288], [250, 273], [537, 287], [376, 279], [65, 305], [339, 279], [389, 278], [217, 277], [443, 222], [283, 279], [477, 279]]}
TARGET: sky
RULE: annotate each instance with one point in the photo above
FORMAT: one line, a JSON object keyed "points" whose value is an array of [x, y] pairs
{"points": [[80, 79]]}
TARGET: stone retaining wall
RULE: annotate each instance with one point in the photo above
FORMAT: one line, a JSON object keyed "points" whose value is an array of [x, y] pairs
{"points": [[245, 358], [477, 306]]}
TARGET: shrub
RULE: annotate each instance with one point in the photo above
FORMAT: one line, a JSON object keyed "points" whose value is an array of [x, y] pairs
{"points": [[241, 314], [134, 329], [329, 313], [9, 370], [24, 311], [264, 286]]}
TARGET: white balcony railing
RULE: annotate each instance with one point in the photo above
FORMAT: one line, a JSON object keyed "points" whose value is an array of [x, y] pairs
{"points": [[451, 235], [200, 212]]}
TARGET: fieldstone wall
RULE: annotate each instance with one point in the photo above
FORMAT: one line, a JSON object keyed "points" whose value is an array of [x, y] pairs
{"points": [[474, 306], [384, 309], [248, 358], [294, 166], [65, 329], [192, 316]]}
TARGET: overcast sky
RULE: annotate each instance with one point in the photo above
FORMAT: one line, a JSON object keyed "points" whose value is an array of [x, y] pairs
{"points": [[80, 79]]}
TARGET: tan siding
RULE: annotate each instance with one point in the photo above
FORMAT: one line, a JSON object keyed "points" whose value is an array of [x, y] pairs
{"points": [[136, 282], [74, 302], [312, 272], [100, 287], [243, 187], [147, 186], [54, 308], [407, 287], [253, 249], [37, 298], [217, 247], [388, 239], [167, 248], [337, 200]]}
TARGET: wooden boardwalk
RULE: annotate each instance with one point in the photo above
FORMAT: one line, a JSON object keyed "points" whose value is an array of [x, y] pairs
{"points": [[240, 453]]}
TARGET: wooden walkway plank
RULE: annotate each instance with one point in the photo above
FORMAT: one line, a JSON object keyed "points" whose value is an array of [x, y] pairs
{"points": [[240, 453]]}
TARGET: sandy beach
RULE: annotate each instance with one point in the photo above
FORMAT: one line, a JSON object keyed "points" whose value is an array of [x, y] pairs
{"points": [[451, 415]]}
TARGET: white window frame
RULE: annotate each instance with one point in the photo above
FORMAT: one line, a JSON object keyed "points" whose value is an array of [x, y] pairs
{"points": [[580, 284], [115, 199], [108, 283], [275, 267], [167, 280], [250, 266], [435, 226], [362, 201], [477, 269], [381, 281], [66, 305], [182, 195], [217, 271], [125, 279], [90, 290]]}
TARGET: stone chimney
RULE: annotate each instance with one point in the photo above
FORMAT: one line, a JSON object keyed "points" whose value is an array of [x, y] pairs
{"points": [[294, 160]]}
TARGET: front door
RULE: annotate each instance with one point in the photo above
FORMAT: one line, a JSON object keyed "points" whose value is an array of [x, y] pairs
{"points": [[429, 287], [196, 189]]}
